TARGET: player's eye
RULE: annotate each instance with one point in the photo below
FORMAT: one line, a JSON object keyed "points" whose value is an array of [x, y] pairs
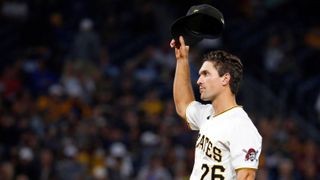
{"points": [[204, 73]]}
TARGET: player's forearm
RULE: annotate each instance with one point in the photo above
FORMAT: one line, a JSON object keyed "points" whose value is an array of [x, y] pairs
{"points": [[182, 88], [246, 174]]}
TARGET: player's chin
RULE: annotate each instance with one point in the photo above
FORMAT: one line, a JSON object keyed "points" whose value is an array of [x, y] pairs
{"points": [[203, 97]]}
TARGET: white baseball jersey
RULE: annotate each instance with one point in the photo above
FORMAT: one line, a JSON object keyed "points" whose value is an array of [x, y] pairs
{"points": [[226, 142]]}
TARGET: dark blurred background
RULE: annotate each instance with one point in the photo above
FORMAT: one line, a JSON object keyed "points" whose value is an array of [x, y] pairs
{"points": [[86, 87]]}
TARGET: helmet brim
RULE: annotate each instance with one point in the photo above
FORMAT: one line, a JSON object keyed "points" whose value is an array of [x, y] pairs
{"points": [[196, 27]]}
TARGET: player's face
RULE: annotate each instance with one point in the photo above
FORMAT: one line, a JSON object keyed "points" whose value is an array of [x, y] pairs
{"points": [[210, 83]]}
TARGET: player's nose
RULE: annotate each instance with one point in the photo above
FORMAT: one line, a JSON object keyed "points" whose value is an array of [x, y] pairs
{"points": [[199, 81]]}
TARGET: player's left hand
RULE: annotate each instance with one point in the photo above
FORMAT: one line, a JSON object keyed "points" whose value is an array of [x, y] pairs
{"points": [[181, 50]]}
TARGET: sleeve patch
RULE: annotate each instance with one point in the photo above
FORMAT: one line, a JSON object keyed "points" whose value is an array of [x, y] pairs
{"points": [[251, 154]]}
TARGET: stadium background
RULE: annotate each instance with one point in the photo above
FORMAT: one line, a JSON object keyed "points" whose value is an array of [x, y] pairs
{"points": [[86, 87]]}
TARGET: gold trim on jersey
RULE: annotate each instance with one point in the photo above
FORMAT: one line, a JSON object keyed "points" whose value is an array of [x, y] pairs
{"points": [[187, 122], [226, 110], [246, 168]]}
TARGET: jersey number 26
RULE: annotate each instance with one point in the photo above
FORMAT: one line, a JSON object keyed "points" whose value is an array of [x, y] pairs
{"points": [[214, 169]]}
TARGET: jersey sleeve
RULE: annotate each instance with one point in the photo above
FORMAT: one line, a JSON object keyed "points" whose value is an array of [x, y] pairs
{"points": [[245, 145], [197, 113]]}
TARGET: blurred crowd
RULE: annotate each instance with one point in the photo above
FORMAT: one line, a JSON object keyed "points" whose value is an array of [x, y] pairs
{"points": [[86, 88]]}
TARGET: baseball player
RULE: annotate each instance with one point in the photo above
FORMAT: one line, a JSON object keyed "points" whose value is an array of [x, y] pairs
{"points": [[228, 145]]}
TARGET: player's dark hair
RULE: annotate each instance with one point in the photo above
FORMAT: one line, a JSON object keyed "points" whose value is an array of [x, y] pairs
{"points": [[225, 62]]}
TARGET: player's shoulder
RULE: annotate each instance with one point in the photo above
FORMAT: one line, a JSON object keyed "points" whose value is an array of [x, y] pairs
{"points": [[243, 122], [240, 116], [198, 106]]}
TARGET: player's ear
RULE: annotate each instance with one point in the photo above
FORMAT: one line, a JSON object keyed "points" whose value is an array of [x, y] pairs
{"points": [[226, 79]]}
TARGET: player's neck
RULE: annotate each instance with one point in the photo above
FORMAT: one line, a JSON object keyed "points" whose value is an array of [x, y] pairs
{"points": [[223, 103]]}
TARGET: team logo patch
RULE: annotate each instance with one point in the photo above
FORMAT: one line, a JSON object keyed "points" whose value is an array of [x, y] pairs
{"points": [[251, 154]]}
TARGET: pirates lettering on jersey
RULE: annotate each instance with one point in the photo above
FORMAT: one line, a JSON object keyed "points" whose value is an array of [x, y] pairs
{"points": [[207, 147]]}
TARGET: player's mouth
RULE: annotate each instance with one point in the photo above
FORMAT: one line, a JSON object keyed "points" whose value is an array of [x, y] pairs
{"points": [[201, 89]]}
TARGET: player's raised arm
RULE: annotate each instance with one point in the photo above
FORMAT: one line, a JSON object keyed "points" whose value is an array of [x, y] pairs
{"points": [[182, 88]]}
